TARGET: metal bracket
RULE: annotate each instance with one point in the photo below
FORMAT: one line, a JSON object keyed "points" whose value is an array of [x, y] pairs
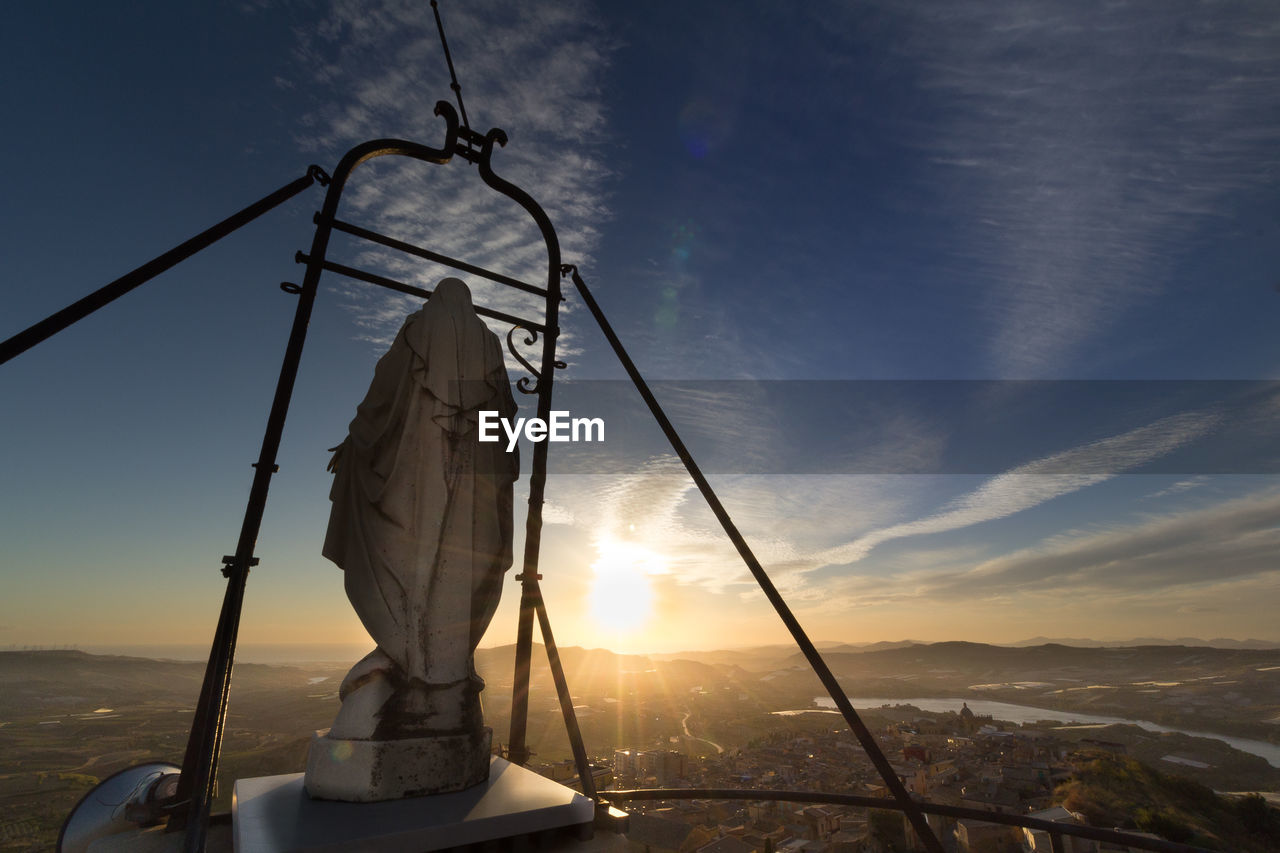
{"points": [[320, 176], [612, 819], [229, 562]]}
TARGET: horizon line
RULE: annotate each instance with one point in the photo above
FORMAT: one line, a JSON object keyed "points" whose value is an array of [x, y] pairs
{"points": [[340, 652]]}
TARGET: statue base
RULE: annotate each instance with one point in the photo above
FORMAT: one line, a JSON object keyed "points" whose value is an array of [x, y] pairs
{"points": [[516, 809], [370, 771]]}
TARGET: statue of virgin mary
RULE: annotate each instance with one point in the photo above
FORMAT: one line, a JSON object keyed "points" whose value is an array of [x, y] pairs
{"points": [[421, 526]]}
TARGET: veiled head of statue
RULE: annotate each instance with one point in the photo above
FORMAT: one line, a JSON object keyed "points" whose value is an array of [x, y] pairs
{"points": [[451, 293], [455, 353]]}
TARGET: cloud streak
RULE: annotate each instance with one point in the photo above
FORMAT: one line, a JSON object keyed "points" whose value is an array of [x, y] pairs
{"points": [[1083, 145], [1040, 481], [1190, 562], [377, 70], [1234, 539], [1211, 560]]}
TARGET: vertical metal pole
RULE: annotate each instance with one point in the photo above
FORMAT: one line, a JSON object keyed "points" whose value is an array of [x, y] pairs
{"points": [[566, 702], [200, 770], [224, 638], [517, 748], [530, 594]]}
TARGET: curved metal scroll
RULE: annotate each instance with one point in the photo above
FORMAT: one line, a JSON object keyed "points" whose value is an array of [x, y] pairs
{"points": [[523, 383]]}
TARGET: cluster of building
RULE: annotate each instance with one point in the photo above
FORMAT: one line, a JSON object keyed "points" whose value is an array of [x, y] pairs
{"points": [[970, 763], [649, 768]]}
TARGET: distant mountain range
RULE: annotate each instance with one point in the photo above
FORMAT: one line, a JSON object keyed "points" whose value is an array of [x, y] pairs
{"points": [[782, 654], [1195, 642], [762, 657], [1078, 642]]}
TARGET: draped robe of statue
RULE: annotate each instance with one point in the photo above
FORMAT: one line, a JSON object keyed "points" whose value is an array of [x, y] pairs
{"points": [[421, 525]]}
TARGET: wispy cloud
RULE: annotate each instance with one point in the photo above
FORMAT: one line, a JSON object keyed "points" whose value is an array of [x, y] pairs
{"points": [[1212, 560], [1179, 487], [534, 69], [1234, 539], [1079, 146], [1039, 481]]}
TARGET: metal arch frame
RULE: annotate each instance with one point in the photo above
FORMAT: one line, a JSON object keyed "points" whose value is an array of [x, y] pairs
{"points": [[190, 807]]}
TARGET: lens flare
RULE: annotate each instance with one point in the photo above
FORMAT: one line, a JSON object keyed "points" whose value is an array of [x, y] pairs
{"points": [[704, 126], [621, 595]]}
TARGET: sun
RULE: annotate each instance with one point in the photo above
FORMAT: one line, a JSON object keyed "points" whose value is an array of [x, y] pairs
{"points": [[621, 594]]}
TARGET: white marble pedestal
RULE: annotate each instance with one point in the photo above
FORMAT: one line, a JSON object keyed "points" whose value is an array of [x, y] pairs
{"points": [[370, 771], [273, 814]]}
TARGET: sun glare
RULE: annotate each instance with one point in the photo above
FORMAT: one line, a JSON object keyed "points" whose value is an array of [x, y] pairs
{"points": [[621, 590]]}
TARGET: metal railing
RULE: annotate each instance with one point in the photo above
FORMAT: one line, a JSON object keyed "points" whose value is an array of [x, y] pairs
{"points": [[1055, 829]]}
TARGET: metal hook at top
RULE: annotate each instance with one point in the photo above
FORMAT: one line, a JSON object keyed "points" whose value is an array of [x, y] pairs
{"points": [[497, 135], [450, 115], [320, 176]]}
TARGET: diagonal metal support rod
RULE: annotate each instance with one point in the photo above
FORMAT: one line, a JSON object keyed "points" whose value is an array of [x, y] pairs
{"points": [[194, 795], [566, 699], [103, 296], [436, 257], [869, 745]]}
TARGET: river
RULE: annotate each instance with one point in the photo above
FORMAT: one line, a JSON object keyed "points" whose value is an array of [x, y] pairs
{"points": [[1027, 714]]}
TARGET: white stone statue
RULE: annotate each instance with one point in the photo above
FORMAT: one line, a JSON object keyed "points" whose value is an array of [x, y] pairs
{"points": [[421, 525]]}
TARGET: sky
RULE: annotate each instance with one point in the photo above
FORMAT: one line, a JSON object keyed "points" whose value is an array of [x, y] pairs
{"points": [[968, 308]]}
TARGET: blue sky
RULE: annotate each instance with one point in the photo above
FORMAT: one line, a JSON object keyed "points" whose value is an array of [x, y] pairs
{"points": [[872, 195]]}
